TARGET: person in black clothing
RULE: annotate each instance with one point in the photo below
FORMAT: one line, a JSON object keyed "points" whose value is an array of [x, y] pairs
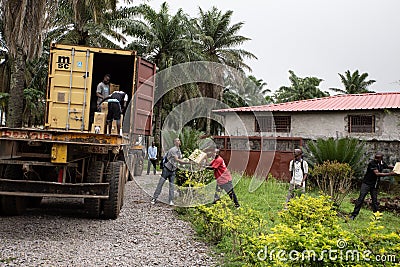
{"points": [[116, 105], [370, 183]]}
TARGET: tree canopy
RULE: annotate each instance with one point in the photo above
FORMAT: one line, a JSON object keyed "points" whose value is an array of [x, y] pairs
{"points": [[354, 83], [300, 89]]}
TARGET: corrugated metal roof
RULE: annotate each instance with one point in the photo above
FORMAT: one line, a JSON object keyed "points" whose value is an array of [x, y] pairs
{"points": [[330, 103]]}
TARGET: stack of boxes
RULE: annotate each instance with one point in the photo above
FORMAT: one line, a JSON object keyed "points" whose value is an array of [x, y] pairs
{"points": [[99, 122], [101, 117], [114, 125]]}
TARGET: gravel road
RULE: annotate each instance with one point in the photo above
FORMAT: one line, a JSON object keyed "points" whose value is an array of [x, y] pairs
{"points": [[58, 234]]}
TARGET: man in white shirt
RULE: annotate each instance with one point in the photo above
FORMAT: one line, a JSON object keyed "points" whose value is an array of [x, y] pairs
{"points": [[152, 157], [299, 172]]}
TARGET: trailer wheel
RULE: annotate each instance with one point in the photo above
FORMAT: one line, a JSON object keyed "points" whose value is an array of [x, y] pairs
{"points": [[1, 205], [138, 165], [95, 175], [33, 202], [125, 175], [112, 205], [13, 205]]}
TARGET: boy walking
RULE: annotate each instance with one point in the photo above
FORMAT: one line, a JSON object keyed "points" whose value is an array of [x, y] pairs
{"points": [[299, 172], [223, 177]]}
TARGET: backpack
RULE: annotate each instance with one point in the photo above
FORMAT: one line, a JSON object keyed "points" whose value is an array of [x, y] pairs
{"points": [[163, 161]]}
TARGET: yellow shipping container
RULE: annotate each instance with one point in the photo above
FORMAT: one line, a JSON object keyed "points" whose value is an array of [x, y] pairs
{"points": [[74, 74]]}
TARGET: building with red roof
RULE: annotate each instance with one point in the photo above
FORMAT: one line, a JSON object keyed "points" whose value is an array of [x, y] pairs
{"points": [[365, 116], [262, 138]]}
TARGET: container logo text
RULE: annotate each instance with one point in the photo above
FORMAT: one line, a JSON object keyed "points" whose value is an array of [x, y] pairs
{"points": [[63, 62]]}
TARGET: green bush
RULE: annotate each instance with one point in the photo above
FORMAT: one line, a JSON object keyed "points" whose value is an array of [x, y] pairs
{"points": [[343, 150], [308, 234], [333, 179]]}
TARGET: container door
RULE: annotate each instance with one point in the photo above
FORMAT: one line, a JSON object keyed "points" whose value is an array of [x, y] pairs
{"points": [[68, 99], [143, 98]]}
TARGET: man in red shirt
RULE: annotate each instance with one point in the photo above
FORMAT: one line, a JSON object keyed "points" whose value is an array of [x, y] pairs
{"points": [[223, 177]]}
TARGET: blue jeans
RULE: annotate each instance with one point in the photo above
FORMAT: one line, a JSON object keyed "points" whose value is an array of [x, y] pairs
{"points": [[166, 174]]}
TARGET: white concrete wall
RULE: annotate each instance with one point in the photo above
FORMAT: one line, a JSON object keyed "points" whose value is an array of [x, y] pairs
{"points": [[319, 124]]}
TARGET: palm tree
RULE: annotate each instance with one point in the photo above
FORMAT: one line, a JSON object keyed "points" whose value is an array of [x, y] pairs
{"points": [[219, 41], [250, 92], [300, 89], [159, 36], [21, 28], [354, 83], [163, 39], [343, 150], [89, 22]]}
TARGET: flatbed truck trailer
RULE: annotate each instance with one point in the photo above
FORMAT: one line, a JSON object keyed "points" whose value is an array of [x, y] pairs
{"points": [[66, 158]]}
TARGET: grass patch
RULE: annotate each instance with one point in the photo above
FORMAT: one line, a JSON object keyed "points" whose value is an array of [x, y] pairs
{"points": [[229, 230]]}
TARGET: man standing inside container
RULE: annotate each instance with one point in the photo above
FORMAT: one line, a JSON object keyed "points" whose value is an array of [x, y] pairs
{"points": [[116, 106], [103, 90]]}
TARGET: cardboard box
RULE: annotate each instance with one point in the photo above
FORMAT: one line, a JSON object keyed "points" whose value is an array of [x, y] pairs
{"points": [[198, 156], [114, 126], [99, 121], [104, 108], [113, 87], [396, 168]]}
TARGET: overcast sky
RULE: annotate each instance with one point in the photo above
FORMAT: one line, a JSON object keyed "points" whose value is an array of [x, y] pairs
{"points": [[318, 38]]}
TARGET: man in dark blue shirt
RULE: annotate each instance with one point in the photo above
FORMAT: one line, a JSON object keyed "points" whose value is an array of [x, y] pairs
{"points": [[370, 183]]}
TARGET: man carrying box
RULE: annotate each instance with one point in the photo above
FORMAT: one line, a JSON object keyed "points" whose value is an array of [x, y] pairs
{"points": [[370, 183], [116, 105], [103, 90]]}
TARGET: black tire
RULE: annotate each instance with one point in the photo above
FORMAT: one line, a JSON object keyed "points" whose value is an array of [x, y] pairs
{"points": [[123, 182], [13, 205], [139, 165], [95, 175], [13, 172], [1, 205], [33, 202], [112, 205]]}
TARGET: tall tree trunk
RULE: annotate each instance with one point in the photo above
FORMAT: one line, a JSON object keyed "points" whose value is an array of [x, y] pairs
{"points": [[16, 103]]}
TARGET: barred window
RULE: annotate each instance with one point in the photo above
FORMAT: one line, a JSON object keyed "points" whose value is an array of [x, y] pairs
{"points": [[361, 123], [281, 124]]}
